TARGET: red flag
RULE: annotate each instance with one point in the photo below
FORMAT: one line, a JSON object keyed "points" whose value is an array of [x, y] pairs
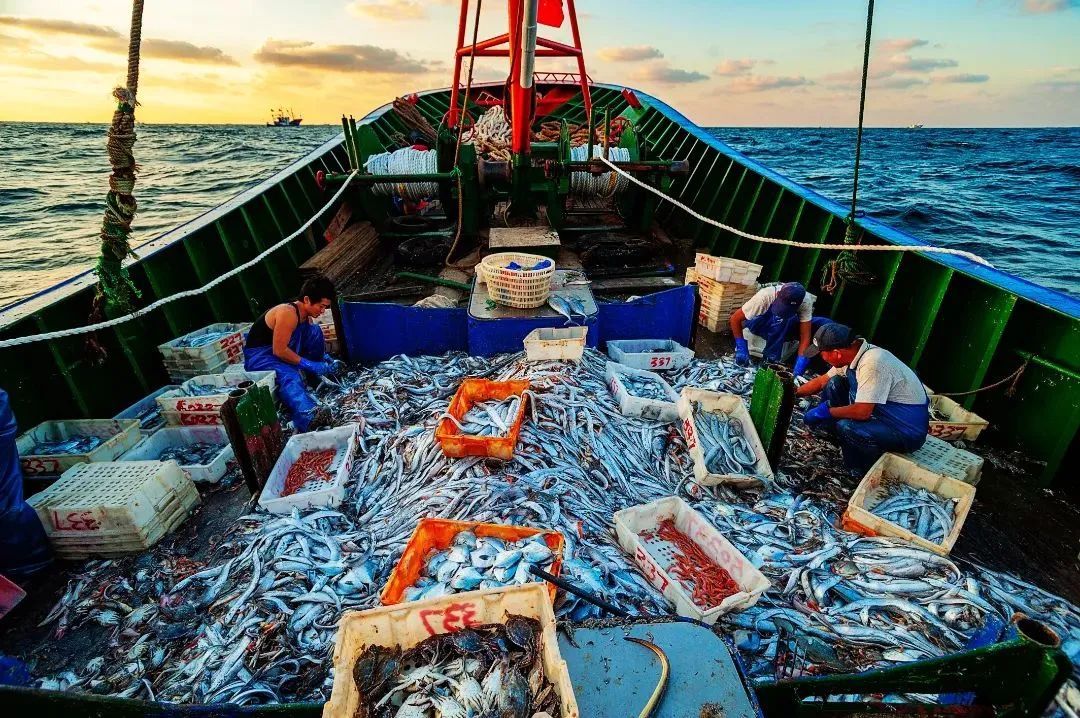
{"points": [[550, 12]]}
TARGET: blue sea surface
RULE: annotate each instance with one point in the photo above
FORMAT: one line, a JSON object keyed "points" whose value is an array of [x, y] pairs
{"points": [[1011, 195]]}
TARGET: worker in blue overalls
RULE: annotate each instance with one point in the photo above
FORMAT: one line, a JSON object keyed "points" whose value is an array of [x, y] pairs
{"points": [[872, 401], [776, 320], [287, 341], [24, 548]]}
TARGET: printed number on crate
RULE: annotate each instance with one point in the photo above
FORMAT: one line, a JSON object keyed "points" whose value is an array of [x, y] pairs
{"points": [[454, 617], [75, 521], [688, 431], [650, 569], [40, 466], [659, 362]]}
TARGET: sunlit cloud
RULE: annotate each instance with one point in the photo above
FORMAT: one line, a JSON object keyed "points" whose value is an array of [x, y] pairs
{"points": [[180, 50], [896, 45], [388, 9], [963, 78], [1042, 7], [629, 54], [907, 63], [662, 72], [59, 27], [764, 83], [728, 68], [343, 58]]}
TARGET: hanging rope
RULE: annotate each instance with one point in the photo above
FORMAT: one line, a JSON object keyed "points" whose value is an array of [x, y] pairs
{"points": [[406, 161], [846, 268], [1011, 391]]}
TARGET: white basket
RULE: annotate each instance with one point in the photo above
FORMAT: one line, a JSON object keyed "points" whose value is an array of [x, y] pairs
{"points": [[147, 402], [407, 624], [119, 435], [320, 493], [229, 344], [649, 354], [176, 403], [941, 457], [113, 508], [177, 436], [631, 405], [894, 467], [553, 344], [518, 288], [726, 269], [732, 404], [630, 523]]}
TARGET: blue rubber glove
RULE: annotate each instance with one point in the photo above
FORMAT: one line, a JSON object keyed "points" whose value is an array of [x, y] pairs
{"points": [[801, 364], [818, 415], [315, 367], [742, 352]]}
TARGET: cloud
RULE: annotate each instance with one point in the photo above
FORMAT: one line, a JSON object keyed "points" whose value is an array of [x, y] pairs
{"points": [[963, 78], [901, 44], [1043, 7], [388, 9], [907, 63], [46, 26], [899, 82], [764, 83], [664, 73], [182, 50], [729, 67], [634, 53], [343, 58]]}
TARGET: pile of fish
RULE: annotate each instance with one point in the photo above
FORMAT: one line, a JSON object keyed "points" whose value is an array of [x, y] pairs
{"points": [[196, 454], [476, 563], [150, 418], [488, 418], [74, 445], [643, 386], [568, 306], [493, 670], [255, 621], [190, 388], [201, 340], [921, 512], [723, 439]]}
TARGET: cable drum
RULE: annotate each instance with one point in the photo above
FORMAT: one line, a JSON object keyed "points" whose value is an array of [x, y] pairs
{"points": [[406, 161], [598, 185]]}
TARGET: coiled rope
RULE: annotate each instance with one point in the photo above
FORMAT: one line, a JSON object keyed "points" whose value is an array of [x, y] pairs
{"points": [[801, 245], [60, 334], [603, 185], [406, 161]]}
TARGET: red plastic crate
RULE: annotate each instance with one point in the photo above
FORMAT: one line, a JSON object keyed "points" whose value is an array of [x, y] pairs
{"points": [[473, 391]]}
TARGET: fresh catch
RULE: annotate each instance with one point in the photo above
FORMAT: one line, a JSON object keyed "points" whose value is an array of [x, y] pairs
{"points": [[77, 445], [202, 340], [643, 387], [195, 454], [475, 563], [727, 450], [488, 418], [921, 512]]}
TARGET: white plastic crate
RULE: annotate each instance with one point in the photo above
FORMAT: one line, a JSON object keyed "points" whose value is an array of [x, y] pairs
{"points": [[726, 269], [230, 344], [119, 434], [649, 354], [654, 558], [177, 436], [111, 508], [731, 404], [567, 344], [407, 624], [897, 468], [192, 418], [147, 426], [959, 423], [941, 457], [317, 493], [180, 375], [631, 405], [176, 402], [721, 299]]}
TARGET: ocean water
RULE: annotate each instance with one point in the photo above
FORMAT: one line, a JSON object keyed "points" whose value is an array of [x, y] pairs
{"points": [[1011, 195]]}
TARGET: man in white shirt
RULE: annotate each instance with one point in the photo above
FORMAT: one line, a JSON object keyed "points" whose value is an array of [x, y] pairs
{"points": [[776, 319], [873, 402]]}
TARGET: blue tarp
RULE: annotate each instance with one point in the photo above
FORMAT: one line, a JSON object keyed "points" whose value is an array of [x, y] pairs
{"points": [[24, 549]]}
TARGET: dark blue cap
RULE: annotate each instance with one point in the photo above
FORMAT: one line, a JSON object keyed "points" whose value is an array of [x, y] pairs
{"points": [[788, 299], [830, 336]]}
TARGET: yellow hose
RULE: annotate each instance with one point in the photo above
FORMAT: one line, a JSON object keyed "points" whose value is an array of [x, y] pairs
{"points": [[661, 685]]}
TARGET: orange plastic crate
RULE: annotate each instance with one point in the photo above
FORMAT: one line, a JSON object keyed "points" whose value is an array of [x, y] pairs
{"points": [[473, 391], [437, 534]]}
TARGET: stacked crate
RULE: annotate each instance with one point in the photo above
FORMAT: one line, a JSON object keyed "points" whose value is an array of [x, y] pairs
{"points": [[725, 285], [186, 362], [111, 509]]}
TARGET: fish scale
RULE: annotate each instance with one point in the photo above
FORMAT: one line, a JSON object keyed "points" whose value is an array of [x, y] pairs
{"points": [[577, 463]]}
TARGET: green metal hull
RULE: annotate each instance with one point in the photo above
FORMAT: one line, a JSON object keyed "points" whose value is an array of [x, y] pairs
{"points": [[959, 324]]}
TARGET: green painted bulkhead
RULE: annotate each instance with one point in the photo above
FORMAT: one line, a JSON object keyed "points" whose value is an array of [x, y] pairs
{"points": [[960, 325]]}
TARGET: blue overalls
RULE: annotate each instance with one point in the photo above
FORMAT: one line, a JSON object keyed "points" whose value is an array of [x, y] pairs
{"points": [[777, 330], [307, 341], [24, 548], [892, 426]]}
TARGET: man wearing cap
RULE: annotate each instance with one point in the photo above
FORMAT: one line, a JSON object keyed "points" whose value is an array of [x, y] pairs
{"points": [[777, 316], [872, 401]]}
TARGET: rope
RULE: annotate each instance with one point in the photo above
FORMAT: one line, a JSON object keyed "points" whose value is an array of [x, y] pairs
{"points": [[60, 334], [603, 185], [461, 134], [801, 245], [405, 161], [491, 135], [1014, 378]]}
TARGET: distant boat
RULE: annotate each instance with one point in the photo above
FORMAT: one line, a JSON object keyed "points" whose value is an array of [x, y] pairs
{"points": [[910, 127], [281, 118]]}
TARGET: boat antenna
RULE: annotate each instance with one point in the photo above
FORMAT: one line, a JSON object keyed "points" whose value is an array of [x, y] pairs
{"points": [[115, 287], [846, 267]]}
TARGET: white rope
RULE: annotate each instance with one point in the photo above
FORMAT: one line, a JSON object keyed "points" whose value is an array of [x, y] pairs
{"points": [[18, 341], [598, 185], [803, 245], [406, 161]]}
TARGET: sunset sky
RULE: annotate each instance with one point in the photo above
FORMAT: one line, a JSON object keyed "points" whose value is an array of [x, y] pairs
{"points": [[721, 62]]}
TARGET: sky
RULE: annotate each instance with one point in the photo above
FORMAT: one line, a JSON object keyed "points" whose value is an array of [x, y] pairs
{"points": [[966, 63]]}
